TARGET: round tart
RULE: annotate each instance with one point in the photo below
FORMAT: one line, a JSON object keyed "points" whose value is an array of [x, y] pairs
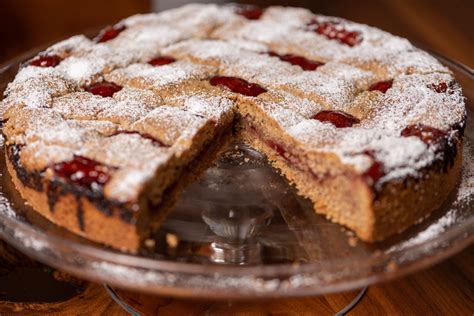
{"points": [[102, 134]]}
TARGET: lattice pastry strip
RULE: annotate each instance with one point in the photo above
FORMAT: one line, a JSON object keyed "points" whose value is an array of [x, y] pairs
{"points": [[333, 84]]}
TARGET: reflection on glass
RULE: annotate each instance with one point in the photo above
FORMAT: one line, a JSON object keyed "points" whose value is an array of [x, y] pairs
{"points": [[236, 207]]}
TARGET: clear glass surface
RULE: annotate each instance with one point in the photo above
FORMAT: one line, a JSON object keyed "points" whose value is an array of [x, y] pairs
{"points": [[242, 232]]}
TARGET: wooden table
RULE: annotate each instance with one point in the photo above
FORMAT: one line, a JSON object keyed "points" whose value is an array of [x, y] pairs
{"points": [[446, 289]]}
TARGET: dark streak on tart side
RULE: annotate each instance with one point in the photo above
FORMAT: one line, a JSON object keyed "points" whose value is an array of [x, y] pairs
{"points": [[445, 144], [57, 187], [31, 180]]}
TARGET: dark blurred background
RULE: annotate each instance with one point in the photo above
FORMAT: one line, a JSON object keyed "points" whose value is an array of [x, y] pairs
{"points": [[446, 26]]}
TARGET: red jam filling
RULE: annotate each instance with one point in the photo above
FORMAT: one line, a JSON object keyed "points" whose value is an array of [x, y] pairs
{"points": [[282, 152], [443, 87], [440, 88], [279, 149], [301, 61], [83, 171], [238, 85], [109, 33], [251, 12], [334, 31], [104, 89], [381, 86], [162, 60], [46, 61], [154, 141], [375, 171], [337, 118], [371, 175], [429, 135]]}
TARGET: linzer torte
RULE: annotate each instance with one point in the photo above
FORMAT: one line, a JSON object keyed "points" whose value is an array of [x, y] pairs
{"points": [[101, 133]]}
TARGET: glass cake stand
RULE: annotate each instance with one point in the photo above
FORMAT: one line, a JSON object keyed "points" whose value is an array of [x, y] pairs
{"points": [[242, 232]]}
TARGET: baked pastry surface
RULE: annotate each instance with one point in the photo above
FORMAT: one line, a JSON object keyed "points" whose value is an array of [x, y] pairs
{"points": [[100, 132]]}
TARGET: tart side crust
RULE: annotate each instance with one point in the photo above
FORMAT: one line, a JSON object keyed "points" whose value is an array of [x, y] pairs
{"points": [[350, 201], [111, 229], [97, 226], [152, 217], [403, 203]]}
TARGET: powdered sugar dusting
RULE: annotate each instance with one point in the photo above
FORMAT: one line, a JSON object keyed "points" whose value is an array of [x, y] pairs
{"points": [[147, 76], [209, 107], [174, 102]]}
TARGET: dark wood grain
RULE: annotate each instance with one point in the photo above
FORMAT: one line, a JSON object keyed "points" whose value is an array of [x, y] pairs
{"points": [[446, 289]]}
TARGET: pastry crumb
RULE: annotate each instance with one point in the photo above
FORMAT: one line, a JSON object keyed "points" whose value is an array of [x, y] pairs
{"points": [[392, 266], [352, 241], [172, 240], [150, 243]]}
